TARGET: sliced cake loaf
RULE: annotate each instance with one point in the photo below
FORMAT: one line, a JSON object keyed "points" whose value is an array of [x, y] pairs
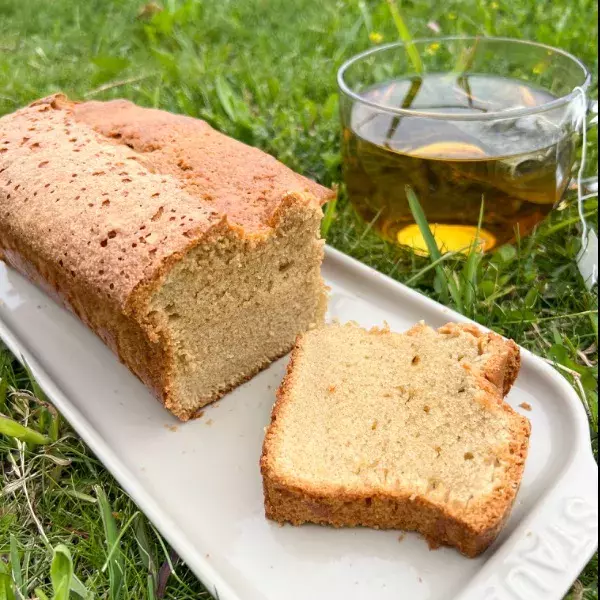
{"points": [[403, 431], [194, 257]]}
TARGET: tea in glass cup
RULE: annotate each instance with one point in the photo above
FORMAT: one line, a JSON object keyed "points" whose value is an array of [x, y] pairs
{"points": [[501, 132]]}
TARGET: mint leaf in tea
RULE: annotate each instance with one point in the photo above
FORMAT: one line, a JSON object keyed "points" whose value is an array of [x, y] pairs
{"points": [[520, 166]]}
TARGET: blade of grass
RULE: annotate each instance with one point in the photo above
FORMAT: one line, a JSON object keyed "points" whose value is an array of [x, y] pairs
{"points": [[169, 560], [492, 298], [54, 429], [566, 223], [15, 566], [454, 285], [469, 272], [15, 430], [3, 392], [366, 15], [26, 565], [43, 421], [37, 390], [116, 563], [151, 589], [116, 547], [466, 59], [415, 87], [367, 229], [329, 216], [423, 224], [78, 588], [555, 318], [405, 36], [594, 321], [449, 284], [145, 550], [428, 268], [81, 496]]}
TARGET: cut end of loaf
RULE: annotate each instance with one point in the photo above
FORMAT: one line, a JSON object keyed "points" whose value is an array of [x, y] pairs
{"points": [[235, 304], [398, 431]]}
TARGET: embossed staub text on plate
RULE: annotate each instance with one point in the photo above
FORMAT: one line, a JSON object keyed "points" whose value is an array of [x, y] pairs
{"points": [[544, 557]]}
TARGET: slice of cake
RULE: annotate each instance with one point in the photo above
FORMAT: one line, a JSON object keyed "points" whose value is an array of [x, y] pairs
{"points": [[196, 258], [398, 431]]}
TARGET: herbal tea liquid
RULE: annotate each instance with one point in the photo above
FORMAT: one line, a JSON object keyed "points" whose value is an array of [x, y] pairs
{"points": [[520, 167]]}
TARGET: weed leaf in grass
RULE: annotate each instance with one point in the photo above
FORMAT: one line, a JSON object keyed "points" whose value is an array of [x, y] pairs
{"points": [[226, 97], [235, 108], [39, 594], [115, 559], [6, 592], [61, 572], [15, 565], [107, 68], [6, 583], [13, 429], [64, 580]]}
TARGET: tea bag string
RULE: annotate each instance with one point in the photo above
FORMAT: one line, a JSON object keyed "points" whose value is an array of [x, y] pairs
{"points": [[586, 234], [581, 172]]}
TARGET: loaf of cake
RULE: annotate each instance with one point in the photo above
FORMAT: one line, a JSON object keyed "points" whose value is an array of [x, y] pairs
{"points": [[194, 257], [398, 431]]}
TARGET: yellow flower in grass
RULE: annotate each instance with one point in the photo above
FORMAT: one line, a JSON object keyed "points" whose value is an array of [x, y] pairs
{"points": [[375, 37], [495, 5], [432, 48]]}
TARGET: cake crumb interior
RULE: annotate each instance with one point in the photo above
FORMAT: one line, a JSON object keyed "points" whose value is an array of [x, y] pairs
{"points": [[371, 412]]}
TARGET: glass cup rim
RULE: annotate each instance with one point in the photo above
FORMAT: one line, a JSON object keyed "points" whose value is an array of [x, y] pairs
{"points": [[504, 114]]}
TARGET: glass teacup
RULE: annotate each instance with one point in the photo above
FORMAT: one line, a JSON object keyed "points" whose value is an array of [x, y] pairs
{"points": [[462, 121]]}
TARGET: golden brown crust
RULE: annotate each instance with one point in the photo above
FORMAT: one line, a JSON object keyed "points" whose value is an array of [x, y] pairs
{"points": [[470, 529], [194, 153], [120, 332], [286, 504], [95, 207], [504, 363]]}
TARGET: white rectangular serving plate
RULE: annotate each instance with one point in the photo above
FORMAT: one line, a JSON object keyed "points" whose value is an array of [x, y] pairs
{"points": [[200, 483]]}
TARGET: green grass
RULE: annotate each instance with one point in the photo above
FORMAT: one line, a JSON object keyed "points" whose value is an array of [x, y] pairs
{"points": [[262, 71]]}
